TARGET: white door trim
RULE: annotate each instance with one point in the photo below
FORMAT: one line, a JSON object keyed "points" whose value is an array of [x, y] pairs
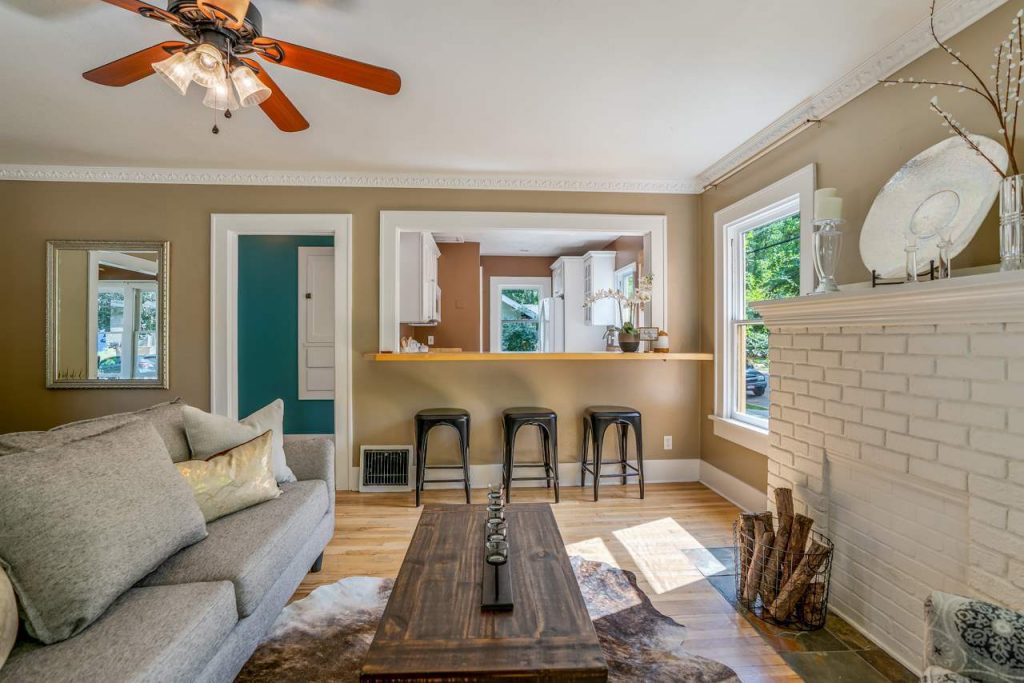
{"points": [[224, 232]]}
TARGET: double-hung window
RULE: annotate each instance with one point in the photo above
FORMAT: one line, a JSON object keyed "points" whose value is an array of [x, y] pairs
{"points": [[762, 251]]}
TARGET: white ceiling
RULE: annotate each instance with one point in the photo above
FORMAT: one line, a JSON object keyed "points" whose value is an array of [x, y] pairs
{"points": [[532, 242], [601, 90]]}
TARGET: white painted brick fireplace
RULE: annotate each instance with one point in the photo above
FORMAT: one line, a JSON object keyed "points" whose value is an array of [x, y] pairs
{"points": [[897, 418]]}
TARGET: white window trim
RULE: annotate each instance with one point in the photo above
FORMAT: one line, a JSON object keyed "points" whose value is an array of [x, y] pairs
{"points": [[757, 209], [499, 283]]}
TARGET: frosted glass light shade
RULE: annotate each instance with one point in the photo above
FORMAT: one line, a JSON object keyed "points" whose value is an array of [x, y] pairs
{"points": [[176, 71], [251, 90], [221, 96], [208, 66]]}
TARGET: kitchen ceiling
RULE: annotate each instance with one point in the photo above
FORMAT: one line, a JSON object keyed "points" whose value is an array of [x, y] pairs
{"points": [[592, 90]]}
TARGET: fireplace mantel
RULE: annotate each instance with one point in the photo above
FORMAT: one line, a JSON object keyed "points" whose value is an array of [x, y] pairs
{"points": [[988, 297]]}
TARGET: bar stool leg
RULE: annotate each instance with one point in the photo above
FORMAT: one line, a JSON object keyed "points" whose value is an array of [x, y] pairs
{"points": [[464, 440], [598, 437], [545, 450], [421, 459], [553, 455], [623, 432], [584, 452], [638, 432], [510, 450]]}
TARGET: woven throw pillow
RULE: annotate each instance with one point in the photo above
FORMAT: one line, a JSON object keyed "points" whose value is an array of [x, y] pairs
{"points": [[979, 640], [234, 480], [81, 523], [209, 434], [8, 618]]}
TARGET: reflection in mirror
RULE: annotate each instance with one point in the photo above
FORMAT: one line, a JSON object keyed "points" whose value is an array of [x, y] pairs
{"points": [[107, 314], [518, 290]]}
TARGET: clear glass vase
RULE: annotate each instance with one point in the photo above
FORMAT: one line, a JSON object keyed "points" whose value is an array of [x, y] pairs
{"points": [[828, 243], [1011, 223]]}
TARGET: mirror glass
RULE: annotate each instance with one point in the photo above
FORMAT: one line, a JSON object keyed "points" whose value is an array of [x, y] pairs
{"points": [[107, 323], [521, 290]]}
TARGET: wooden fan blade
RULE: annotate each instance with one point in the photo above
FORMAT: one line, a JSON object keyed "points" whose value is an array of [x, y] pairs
{"points": [[277, 107], [134, 67], [149, 11], [329, 66], [232, 12]]}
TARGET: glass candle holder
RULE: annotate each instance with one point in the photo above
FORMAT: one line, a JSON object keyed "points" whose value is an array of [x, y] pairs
{"points": [[497, 552], [828, 244]]}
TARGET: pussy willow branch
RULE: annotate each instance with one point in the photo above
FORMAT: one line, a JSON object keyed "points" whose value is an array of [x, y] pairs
{"points": [[958, 129]]}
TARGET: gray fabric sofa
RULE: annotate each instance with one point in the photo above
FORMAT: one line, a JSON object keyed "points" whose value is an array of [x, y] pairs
{"points": [[200, 615]]}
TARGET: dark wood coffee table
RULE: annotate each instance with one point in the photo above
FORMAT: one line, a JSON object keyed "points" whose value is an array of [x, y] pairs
{"points": [[433, 628]]}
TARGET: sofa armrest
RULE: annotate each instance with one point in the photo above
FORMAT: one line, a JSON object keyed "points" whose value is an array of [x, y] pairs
{"points": [[312, 459]]}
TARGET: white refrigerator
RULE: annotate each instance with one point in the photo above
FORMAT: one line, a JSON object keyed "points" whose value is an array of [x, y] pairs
{"points": [[552, 324]]}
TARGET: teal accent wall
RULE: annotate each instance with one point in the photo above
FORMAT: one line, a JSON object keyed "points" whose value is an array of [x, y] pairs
{"points": [[268, 331]]}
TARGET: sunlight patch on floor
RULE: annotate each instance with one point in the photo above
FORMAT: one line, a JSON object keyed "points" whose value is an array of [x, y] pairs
{"points": [[593, 549], [658, 548]]}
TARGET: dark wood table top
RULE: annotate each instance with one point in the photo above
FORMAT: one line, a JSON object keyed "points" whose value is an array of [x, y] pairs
{"points": [[433, 628]]}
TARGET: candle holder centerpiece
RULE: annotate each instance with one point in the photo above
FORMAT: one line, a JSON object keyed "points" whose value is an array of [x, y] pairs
{"points": [[828, 239], [496, 593]]}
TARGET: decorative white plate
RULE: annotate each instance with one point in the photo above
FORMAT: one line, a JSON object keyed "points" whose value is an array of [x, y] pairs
{"points": [[951, 165]]}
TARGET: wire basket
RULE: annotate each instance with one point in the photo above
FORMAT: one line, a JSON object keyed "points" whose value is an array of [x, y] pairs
{"points": [[788, 587]]}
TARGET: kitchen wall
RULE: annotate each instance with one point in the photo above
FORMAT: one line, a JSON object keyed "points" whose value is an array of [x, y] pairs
{"points": [[508, 266], [386, 395], [628, 249], [856, 149], [458, 276]]}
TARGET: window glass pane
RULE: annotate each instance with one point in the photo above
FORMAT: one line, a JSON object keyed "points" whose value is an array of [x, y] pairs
{"points": [[109, 331], [145, 339], [771, 256], [520, 336], [520, 303], [753, 392]]}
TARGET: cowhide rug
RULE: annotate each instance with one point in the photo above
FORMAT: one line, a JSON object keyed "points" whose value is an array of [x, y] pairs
{"points": [[325, 636]]}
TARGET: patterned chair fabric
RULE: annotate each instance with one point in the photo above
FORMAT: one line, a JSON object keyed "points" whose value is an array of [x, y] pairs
{"points": [[970, 640]]}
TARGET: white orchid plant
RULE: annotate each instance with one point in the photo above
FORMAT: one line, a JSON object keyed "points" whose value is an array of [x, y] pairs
{"points": [[1002, 90], [633, 304]]}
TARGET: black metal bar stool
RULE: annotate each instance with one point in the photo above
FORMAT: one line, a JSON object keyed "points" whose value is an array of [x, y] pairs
{"points": [[546, 422], [597, 420], [458, 419]]}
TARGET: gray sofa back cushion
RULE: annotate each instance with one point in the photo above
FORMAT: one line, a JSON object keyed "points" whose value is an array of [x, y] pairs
{"points": [[166, 418], [82, 522]]}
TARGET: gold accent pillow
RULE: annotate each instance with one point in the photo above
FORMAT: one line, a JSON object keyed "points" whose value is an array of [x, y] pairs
{"points": [[238, 478]]}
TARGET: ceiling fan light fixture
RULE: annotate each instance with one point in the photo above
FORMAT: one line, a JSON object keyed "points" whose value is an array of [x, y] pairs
{"points": [[176, 71], [208, 65], [251, 90], [221, 96]]}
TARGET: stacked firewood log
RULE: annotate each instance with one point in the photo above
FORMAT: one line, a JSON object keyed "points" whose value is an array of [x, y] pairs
{"points": [[777, 564]]}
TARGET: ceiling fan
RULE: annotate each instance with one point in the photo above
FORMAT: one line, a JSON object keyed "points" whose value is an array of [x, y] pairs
{"points": [[222, 37]]}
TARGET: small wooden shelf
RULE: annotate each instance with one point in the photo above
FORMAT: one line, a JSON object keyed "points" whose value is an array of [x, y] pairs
{"points": [[519, 357]]}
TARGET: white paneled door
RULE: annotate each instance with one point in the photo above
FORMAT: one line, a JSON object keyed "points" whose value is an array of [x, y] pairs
{"points": [[316, 323]]}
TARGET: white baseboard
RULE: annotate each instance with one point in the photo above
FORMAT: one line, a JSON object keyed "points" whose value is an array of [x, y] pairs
{"points": [[655, 472], [737, 492]]}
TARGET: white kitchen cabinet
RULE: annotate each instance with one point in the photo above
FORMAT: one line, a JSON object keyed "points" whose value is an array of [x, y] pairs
{"points": [[418, 291], [599, 273], [575, 335]]}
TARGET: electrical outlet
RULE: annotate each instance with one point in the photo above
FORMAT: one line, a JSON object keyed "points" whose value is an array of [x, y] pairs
{"points": [[668, 443], [430, 340]]}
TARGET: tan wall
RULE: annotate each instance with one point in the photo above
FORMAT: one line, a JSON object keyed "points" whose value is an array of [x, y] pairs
{"points": [[72, 313], [385, 394], [458, 276], [856, 149], [508, 266]]}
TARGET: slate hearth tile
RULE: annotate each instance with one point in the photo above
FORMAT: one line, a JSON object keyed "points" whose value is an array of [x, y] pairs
{"points": [[889, 667], [726, 585], [848, 634], [834, 667], [712, 561]]}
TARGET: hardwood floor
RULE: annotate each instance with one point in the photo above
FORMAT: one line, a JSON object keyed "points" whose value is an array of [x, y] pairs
{"points": [[663, 539]]}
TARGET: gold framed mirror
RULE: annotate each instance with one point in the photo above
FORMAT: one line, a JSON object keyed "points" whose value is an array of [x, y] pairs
{"points": [[107, 314]]}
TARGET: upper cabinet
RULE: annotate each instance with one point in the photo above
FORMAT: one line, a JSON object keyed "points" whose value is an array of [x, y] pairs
{"points": [[598, 274], [419, 294]]}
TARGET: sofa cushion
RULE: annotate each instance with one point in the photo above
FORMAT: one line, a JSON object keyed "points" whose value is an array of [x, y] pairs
{"points": [[210, 434], [975, 639], [8, 617], [166, 418], [83, 522], [250, 548], [164, 633]]}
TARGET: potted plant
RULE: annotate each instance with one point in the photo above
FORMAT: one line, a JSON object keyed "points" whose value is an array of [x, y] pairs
{"points": [[629, 338]]}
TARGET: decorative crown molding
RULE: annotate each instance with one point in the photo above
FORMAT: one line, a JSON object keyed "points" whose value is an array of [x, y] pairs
{"points": [[193, 176], [950, 19]]}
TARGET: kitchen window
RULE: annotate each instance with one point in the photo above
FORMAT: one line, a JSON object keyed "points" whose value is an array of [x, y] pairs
{"points": [[762, 251], [515, 312]]}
